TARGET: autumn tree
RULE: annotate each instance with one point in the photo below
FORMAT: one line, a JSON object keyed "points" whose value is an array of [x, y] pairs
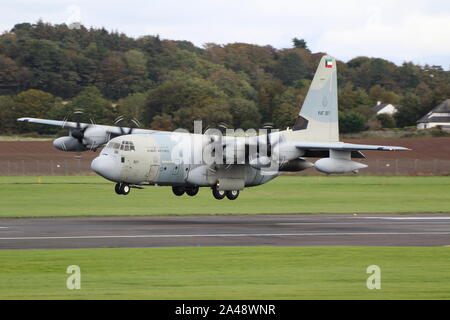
{"points": [[132, 106], [93, 105], [245, 113], [290, 68], [351, 122], [299, 44]]}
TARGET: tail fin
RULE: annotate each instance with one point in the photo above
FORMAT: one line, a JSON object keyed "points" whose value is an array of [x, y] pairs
{"points": [[318, 117]]}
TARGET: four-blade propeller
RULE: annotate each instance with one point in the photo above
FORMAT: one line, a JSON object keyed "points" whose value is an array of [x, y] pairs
{"points": [[78, 132]]}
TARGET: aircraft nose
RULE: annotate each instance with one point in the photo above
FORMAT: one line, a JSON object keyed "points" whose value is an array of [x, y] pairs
{"points": [[106, 167]]}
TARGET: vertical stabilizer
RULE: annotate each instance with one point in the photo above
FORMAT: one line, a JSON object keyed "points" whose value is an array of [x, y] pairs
{"points": [[318, 117]]}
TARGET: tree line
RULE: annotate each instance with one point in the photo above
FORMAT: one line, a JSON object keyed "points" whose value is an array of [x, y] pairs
{"points": [[48, 71]]}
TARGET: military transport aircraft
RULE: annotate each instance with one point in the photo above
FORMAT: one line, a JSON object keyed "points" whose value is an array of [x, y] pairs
{"points": [[228, 163]]}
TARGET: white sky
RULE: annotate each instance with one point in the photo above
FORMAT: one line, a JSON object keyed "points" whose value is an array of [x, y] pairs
{"points": [[413, 30]]}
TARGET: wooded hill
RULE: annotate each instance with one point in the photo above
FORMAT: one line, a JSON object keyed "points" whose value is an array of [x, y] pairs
{"points": [[50, 70]]}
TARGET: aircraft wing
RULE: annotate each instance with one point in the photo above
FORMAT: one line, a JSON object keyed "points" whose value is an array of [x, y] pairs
{"points": [[115, 130], [345, 146], [63, 124]]}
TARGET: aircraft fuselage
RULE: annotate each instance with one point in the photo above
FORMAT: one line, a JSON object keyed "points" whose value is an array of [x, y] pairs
{"points": [[167, 159]]}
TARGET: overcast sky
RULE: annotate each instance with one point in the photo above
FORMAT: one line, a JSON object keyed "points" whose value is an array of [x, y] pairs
{"points": [[413, 30]]}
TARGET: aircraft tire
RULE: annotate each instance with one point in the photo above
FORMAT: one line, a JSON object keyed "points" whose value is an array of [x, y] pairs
{"points": [[232, 194], [192, 191], [218, 194], [117, 188], [124, 189], [178, 191]]}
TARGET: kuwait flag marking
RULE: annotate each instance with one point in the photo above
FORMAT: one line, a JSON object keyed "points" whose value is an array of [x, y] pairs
{"points": [[328, 63]]}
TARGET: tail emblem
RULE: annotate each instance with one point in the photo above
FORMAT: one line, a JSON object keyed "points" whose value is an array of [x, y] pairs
{"points": [[328, 63]]}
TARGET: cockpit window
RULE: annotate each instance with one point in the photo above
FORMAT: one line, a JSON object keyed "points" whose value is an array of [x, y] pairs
{"points": [[113, 145], [126, 146]]}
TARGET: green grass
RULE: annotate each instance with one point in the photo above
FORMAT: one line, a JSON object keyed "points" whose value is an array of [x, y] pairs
{"points": [[227, 273], [92, 195]]}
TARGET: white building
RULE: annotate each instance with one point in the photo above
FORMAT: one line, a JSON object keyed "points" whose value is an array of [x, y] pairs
{"points": [[384, 108], [439, 116]]}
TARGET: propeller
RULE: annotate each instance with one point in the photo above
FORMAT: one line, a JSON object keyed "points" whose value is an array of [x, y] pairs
{"points": [[134, 123], [268, 127], [260, 158], [78, 132]]}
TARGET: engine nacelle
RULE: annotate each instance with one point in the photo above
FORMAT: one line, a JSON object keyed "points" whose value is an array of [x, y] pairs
{"points": [[95, 137], [68, 144], [336, 165], [295, 165]]}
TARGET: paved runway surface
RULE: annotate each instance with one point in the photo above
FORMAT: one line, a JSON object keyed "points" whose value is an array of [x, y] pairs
{"points": [[233, 230]]}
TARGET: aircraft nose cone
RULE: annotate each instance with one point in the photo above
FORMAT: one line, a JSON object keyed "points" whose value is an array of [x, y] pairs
{"points": [[105, 167]]}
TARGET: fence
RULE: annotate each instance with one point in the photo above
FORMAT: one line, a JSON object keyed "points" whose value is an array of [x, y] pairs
{"points": [[83, 167], [45, 167]]}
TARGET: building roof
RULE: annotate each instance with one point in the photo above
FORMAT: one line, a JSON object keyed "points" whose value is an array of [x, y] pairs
{"points": [[444, 107], [380, 106]]}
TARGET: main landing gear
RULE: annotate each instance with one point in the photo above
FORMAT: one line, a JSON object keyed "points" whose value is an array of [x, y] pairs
{"points": [[220, 194], [190, 191], [122, 188]]}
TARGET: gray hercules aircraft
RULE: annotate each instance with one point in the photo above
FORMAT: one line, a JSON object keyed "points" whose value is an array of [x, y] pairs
{"points": [[225, 163]]}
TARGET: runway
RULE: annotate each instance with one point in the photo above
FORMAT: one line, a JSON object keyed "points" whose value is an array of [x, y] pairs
{"points": [[226, 230]]}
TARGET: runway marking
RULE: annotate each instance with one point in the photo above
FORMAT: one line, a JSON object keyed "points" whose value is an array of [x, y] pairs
{"points": [[324, 223], [407, 218], [230, 235], [4, 227]]}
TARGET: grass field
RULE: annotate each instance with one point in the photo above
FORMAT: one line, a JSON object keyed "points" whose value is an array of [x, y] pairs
{"points": [[92, 195], [227, 273]]}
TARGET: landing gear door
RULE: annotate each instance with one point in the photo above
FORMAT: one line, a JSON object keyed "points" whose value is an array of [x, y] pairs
{"points": [[154, 166], [153, 173]]}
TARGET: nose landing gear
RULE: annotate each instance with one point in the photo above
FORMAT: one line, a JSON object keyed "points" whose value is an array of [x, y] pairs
{"points": [[122, 188]]}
